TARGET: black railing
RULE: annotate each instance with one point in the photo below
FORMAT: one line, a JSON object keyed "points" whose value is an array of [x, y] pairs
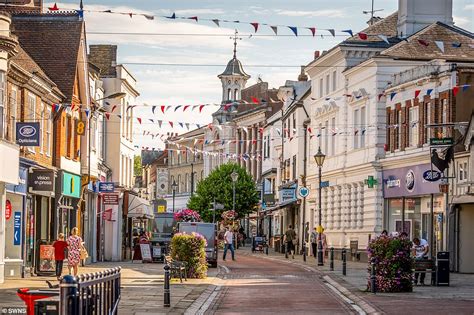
{"points": [[95, 293]]}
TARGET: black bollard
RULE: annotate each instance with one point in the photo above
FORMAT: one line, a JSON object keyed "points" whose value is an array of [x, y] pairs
{"points": [[344, 263], [373, 287], [68, 295], [166, 291], [331, 259]]}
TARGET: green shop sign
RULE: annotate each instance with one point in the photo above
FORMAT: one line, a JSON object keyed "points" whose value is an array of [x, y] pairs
{"points": [[71, 185]]}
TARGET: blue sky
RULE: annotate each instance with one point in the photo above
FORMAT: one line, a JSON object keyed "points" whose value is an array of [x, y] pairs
{"points": [[194, 85]]}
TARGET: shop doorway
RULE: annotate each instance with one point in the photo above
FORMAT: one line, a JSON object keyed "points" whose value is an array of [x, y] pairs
{"points": [[466, 245]]}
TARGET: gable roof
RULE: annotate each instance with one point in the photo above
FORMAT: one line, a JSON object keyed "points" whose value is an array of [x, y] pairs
{"points": [[53, 41], [413, 50]]}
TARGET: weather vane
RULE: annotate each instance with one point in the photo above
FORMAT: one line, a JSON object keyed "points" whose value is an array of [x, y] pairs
{"points": [[235, 38]]}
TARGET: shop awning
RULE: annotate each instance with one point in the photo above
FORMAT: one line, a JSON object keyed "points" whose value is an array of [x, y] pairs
{"points": [[139, 208], [282, 205]]}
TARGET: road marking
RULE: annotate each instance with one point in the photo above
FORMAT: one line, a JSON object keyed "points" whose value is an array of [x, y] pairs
{"points": [[356, 307], [226, 269]]}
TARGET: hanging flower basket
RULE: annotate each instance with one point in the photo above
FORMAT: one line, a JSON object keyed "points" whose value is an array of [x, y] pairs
{"points": [[187, 215]]}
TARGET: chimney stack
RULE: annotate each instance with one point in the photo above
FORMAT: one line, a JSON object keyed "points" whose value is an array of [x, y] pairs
{"points": [[302, 76], [316, 54]]}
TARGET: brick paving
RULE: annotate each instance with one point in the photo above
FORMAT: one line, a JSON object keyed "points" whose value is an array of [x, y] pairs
{"points": [[142, 288], [458, 298], [256, 286]]}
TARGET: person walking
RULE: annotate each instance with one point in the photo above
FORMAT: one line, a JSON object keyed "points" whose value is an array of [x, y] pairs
{"points": [[60, 247], [324, 242], [420, 248], [228, 243], [74, 250], [314, 242], [290, 240]]}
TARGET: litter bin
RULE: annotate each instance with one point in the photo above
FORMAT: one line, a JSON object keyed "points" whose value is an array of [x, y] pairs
{"points": [[442, 269], [30, 296], [276, 245]]}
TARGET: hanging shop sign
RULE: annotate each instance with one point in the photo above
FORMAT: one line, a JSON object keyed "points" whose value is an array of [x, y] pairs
{"points": [[41, 182], [288, 193], [71, 185], [8, 210], [106, 187], [415, 180], [110, 199], [28, 134], [22, 180], [441, 141]]}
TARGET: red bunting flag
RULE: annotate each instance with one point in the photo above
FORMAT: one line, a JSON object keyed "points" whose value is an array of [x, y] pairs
{"points": [[255, 100], [185, 107], [423, 42], [54, 7], [200, 108], [113, 108], [310, 130], [363, 36], [255, 26], [163, 108], [107, 115], [139, 120], [417, 92], [254, 141], [313, 30], [72, 106], [455, 90], [380, 96], [171, 123], [260, 130], [195, 18]]}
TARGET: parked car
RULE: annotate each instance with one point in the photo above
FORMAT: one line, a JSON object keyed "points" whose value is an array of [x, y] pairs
{"points": [[209, 231]]}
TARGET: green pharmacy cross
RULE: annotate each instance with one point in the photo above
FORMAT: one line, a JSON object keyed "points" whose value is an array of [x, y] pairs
{"points": [[371, 181]]}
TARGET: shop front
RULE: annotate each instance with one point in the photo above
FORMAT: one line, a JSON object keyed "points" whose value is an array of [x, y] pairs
{"points": [[414, 204], [69, 191], [15, 245], [39, 218]]}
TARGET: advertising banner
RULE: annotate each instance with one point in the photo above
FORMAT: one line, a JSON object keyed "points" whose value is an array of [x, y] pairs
{"points": [[411, 181]]}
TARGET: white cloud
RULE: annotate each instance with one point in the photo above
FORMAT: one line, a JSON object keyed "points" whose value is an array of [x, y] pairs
{"points": [[199, 11], [463, 22], [319, 13], [469, 7]]}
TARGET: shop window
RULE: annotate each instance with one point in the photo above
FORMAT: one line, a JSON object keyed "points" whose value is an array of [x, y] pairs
{"points": [[362, 127], [356, 128], [413, 224], [328, 84], [321, 90], [413, 135], [427, 121]]}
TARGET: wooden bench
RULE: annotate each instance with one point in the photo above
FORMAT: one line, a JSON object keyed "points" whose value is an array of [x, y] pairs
{"points": [[177, 268], [425, 266]]}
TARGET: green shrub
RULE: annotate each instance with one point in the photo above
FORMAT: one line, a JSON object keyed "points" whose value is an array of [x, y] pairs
{"points": [[394, 264], [191, 249]]}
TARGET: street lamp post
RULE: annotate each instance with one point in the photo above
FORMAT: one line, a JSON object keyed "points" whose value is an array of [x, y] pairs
{"points": [[173, 186], [234, 175], [319, 158]]}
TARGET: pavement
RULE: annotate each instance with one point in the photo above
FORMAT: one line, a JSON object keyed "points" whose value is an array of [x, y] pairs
{"points": [[142, 288], [458, 298]]}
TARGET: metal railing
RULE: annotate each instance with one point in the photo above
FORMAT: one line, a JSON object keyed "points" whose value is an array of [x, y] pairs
{"points": [[94, 293]]}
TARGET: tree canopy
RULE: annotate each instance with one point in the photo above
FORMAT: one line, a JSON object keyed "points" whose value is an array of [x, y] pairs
{"points": [[218, 187]]}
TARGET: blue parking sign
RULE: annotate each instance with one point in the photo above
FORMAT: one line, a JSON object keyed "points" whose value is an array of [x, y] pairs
{"points": [[17, 228]]}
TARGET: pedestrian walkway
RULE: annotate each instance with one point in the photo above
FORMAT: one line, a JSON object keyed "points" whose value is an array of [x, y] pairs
{"points": [[354, 284], [142, 288]]}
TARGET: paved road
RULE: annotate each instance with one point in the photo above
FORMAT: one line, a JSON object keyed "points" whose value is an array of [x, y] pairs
{"points": [[262, 286]]}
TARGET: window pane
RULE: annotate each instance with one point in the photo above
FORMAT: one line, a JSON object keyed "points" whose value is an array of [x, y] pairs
{"points": [[363, 129]]}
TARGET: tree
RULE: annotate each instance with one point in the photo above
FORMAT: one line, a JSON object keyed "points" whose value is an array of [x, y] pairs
{"points": [[218, 186], [137, 165]]}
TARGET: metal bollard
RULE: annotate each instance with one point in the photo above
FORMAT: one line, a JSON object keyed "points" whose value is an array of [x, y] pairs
{"points": [[344, 263], [331, 259], [373, 285], [166, 291], [68, 295]]}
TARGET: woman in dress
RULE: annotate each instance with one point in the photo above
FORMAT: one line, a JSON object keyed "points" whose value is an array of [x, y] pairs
{"points": [[74, 250]]}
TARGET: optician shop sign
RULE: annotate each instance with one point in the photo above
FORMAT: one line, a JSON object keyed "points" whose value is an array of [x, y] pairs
{"points": [[28, 134], [410, 181], [41, 181]]}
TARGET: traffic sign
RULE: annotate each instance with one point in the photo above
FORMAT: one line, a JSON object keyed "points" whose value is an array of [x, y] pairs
{"points": [[303, 192], [441, 141], [324, 184]]}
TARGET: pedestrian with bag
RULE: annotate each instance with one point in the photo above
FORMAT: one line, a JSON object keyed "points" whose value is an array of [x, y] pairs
{"points": [[60, 247], [228, 243], [290, 240], [314, 242]]}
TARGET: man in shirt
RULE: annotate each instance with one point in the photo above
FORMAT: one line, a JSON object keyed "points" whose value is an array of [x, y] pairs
{"points": [[314, 242], [420, 248], [228, 243]]}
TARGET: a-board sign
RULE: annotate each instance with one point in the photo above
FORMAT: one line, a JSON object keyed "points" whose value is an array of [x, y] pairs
{"points": [[46, 258], [156, 251], [146, 252]]}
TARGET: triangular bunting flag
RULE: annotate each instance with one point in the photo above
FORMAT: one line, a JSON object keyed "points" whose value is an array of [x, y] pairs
{"points": [[87, 113], [195, 18], [363, 36], [168, 107], [173, 16], [417, 92], [294, 29], [440, 45], [119, 116], [152, 121], [54, 7], [185, 107], [274, 29], [384, 38], [429, 91], [177, 107], [139, 120], [153, 110], [187, 125], [455, 90], [171, 123], [200, 108], [313, 30], [181, 124], [348, 32], [160, 122], [392, 95], [216, 21], [423, 42], [333, 32], [380, 96], [149, 17], [465, 87], [194, 107], [255, 100], [113, 108], [163, 108], [107, 115], [255, 26], [456, 44]]}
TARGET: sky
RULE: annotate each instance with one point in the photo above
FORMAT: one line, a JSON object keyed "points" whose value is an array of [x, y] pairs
{"points": [[176, 85]]}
